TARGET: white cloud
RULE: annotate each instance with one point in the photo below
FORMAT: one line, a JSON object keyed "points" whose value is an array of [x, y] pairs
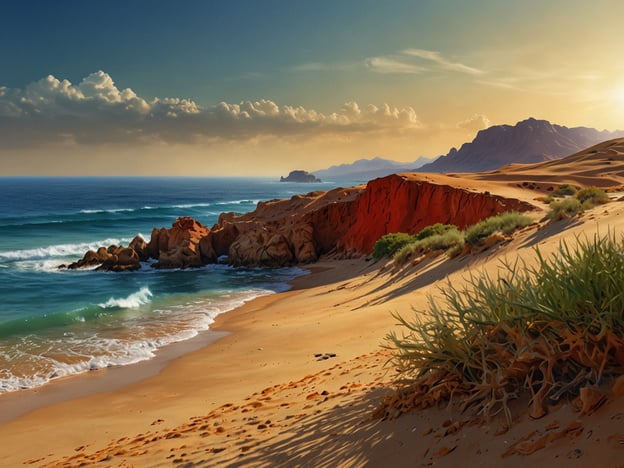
{"points": [[96, 111], [475, 123], [392, 65], [403, 62], [438, 58]]}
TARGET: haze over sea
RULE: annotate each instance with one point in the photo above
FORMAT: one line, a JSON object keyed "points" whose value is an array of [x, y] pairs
{"points": [[55, 322]]}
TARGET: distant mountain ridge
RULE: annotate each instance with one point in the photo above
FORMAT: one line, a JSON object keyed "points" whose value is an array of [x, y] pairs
{"points": [[529, 141], [367, 169]]}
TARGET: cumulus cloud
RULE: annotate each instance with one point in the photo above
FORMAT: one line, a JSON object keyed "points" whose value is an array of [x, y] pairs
{"points": [[96, 111], [429, 60], [475, 123]]}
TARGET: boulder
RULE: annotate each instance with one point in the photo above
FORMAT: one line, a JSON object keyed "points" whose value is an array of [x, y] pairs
{"points": [[183, 245], [139, 245]]}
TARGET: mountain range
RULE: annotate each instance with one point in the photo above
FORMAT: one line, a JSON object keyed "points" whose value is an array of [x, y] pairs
{"points": [[367, 169], [529, 141]]}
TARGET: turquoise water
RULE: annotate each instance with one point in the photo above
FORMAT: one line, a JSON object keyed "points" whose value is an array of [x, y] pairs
{"points": [[55, 323]]}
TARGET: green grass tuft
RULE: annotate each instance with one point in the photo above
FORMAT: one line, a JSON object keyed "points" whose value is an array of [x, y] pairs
{"points": [[564, 190], [387, 245], [592, 196], [564, 209], [547, 329], [435, 229], [506, 223], [449, 238]]}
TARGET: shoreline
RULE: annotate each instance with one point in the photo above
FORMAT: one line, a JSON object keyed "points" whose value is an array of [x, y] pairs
{"points": [[296, 376], [115, 378], [166, 384]]}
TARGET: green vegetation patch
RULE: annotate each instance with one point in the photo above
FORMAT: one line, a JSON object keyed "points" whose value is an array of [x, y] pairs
{"points": [[564, 209], [592, 196], [564, 190], [506, 223], [584, 199], [434, 229], [444, 241], [387, 245], [547, 329]]}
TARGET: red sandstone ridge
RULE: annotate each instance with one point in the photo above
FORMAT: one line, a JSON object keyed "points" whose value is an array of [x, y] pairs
{"points": [[340, 222], [398, 203], [347, 222]]}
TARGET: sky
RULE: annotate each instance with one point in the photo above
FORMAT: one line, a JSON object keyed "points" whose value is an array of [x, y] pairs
{"points": [[262, 87]]}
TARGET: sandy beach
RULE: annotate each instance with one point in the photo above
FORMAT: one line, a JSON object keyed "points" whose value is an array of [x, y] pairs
{"points": [[293, 379]]}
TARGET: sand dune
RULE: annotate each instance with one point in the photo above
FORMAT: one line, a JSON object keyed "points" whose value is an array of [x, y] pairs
{"points": [[298, 376]]}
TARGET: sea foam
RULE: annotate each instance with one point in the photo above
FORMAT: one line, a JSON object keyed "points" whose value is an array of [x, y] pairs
{"points": [[60, 250], [134, 300]]}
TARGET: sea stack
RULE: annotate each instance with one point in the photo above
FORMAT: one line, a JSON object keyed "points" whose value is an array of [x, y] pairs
{"points": [[300, 176]]}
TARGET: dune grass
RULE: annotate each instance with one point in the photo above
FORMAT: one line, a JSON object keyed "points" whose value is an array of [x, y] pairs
{"points": [[444, 241], [548, 329], [388, 244], [506, 223], [446, 237], [564, 190], [584, 199]]}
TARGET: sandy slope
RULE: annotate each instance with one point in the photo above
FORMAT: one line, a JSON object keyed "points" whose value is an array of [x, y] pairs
{"points": [[296, 379]]}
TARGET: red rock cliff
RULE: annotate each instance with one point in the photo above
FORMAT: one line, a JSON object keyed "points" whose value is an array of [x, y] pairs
{"points": [[341, 222], [398, 204], [346, 222]]}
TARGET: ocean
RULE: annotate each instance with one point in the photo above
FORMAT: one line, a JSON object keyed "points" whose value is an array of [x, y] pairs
{"points": [[55, 323]]}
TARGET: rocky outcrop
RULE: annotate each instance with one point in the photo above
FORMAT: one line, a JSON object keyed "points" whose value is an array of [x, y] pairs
{"points": [[177, 247], [182, 244], [300, 176], [340, 222], [114, 257], [347, 222], [398, 204]]}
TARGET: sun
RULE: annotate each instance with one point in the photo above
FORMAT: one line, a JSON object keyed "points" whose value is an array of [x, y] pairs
{"points": [[618, 94]]}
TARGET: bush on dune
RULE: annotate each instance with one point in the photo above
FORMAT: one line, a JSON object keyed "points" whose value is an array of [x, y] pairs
{"points": [[434, 229], [506, 223], [564, 190], [548, 329], [448, 239], [584, 199], [387, 245], [592, 196], [564, 209]]}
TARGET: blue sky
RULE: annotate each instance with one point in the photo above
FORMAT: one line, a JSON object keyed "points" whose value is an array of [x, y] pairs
{"points": [[281, 81]]}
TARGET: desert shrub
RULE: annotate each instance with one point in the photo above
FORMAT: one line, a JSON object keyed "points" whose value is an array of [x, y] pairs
{"points": [[547, 329], [387, 245], [546, 200], [506, 223], [564, 190], [434, 229], [444, 241], [564, 209], [592, 196]]}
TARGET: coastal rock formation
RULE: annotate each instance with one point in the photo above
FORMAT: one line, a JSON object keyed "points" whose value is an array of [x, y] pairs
{"points": [[114, 258], [300, 176], [177, 247], [347, 222], [182, 246], [340, 222]]}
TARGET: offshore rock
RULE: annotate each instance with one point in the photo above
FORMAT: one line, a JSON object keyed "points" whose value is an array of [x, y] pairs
{"points": [[300, 176]]}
